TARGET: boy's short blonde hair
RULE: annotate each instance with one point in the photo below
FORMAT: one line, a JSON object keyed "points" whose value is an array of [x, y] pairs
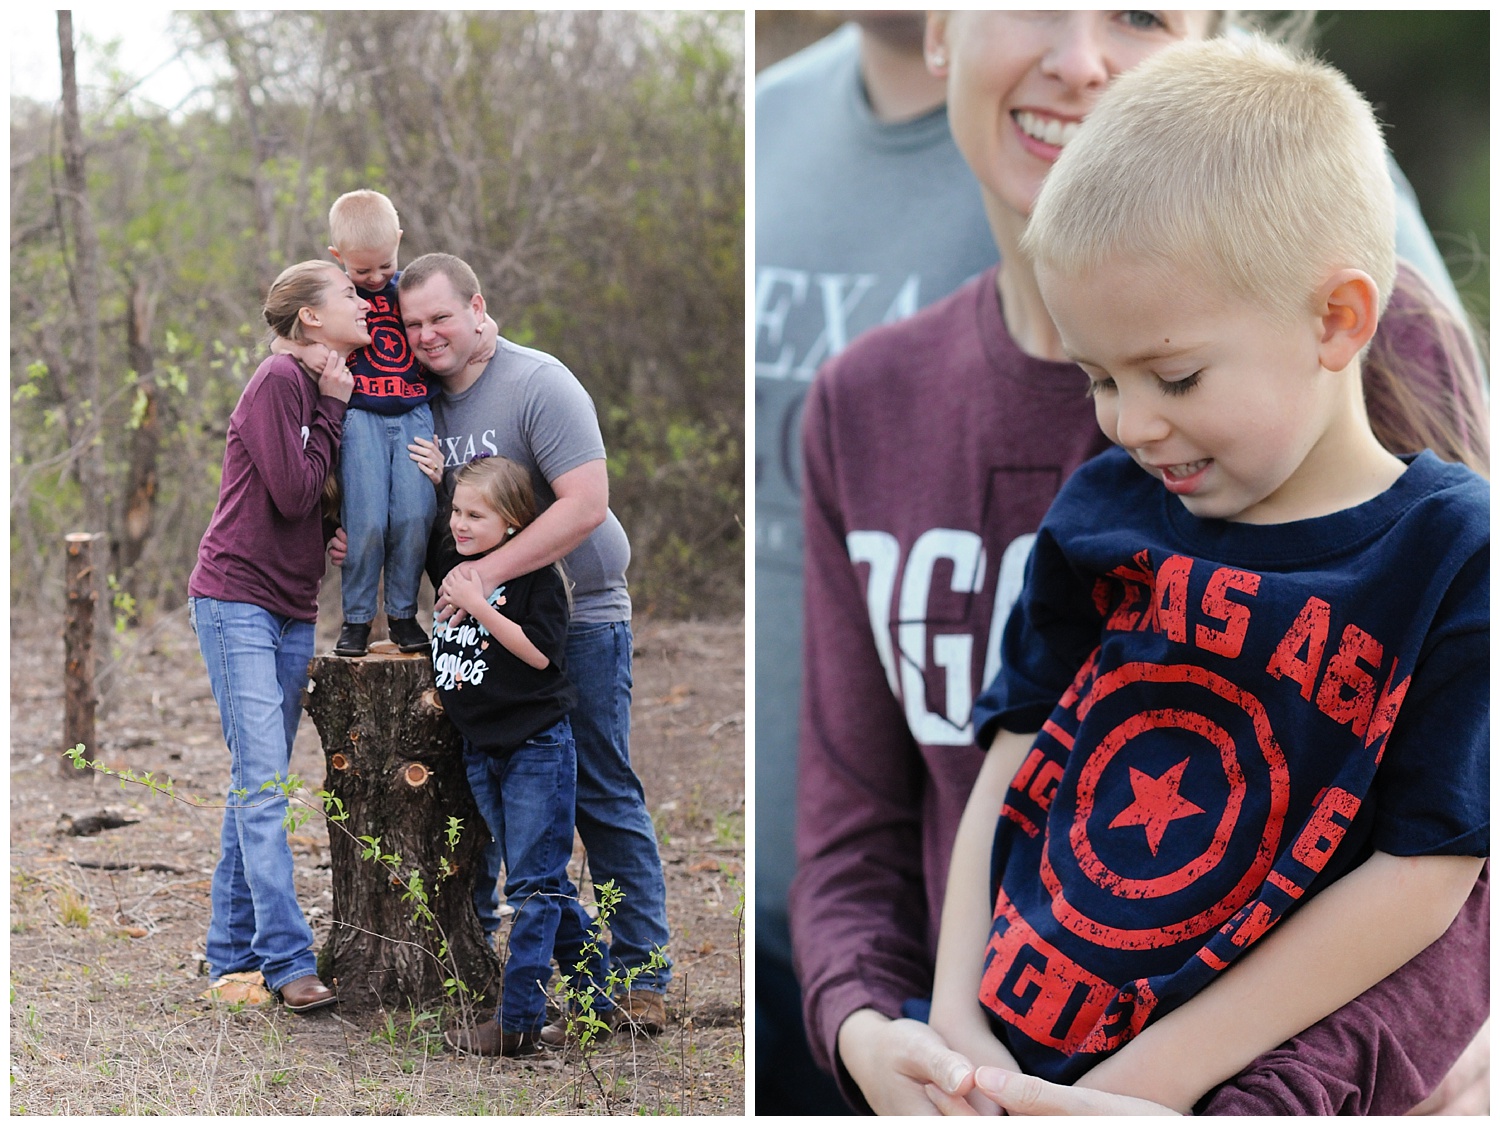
{"points": [[1260, 167], [363, 220]]}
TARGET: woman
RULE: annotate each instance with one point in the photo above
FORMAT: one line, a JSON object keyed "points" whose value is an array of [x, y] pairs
{"points": [[254, 600], [931, 449]]}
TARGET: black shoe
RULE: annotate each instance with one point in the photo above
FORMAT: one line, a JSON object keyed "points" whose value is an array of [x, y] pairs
{"points": [[354, 640], [408, 636]]}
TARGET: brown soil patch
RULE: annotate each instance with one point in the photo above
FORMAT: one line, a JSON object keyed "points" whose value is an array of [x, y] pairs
{"points": [[107, 929]]}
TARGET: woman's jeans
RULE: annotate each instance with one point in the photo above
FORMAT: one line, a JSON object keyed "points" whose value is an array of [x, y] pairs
{"points": [[387, 509], [526, 799], [611, 813], [257, 664]]}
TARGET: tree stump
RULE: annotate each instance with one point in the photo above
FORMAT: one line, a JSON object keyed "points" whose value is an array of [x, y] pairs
{"points": [[396, 764], [79, 700]]}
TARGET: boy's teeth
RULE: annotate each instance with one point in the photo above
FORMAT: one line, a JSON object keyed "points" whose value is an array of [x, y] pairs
{"points": [[1187, 469], [1048, 130]]}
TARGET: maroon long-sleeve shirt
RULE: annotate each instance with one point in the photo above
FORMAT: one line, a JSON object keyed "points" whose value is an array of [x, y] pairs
{"points": [[266, 540]]}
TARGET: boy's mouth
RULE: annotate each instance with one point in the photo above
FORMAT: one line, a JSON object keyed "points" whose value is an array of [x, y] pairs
{"points": [[1048, 130]]}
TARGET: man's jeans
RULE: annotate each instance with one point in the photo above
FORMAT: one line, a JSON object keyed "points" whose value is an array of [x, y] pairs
{"points": [[257, 665], [526, 799], [611, 811], [387, 509]]}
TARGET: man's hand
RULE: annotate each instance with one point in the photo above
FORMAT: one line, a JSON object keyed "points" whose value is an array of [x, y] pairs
{"points": [[336, 380], [895, 1061], [338, 548], [1026, 1094], [429, 458]]}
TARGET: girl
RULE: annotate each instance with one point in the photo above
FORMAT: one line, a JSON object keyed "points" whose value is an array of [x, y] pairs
{"points": [[931, 450], [253, 598], [501, 677]]}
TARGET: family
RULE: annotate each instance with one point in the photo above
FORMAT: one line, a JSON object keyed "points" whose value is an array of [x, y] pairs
{"points": [[390, 400], [1138, 772]]}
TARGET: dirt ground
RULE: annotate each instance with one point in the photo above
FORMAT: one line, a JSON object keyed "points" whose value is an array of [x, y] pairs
{"points": [[107, 929]]}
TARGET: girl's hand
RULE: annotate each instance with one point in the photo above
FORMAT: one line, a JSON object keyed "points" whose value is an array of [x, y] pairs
{"points": [[335, 380], [469, 591], [429, 458]]}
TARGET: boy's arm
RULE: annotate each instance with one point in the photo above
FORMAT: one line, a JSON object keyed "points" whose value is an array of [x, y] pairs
{"points": [[489, 333], [1348, 937], [956, 1012], [311, 355]]}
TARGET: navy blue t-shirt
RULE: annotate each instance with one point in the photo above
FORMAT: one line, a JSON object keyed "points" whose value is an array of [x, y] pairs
{"points": [[1231, 717], [387, 377]]}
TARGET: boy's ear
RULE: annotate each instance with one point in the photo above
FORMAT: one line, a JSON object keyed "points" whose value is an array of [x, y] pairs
{"points": [[935, 44], [337, 257], [1348, 306]]}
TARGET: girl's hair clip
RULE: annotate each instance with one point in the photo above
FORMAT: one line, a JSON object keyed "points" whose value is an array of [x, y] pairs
{"points": [[477, 457]]}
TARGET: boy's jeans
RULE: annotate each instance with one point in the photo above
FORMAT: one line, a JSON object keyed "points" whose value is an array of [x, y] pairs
{"points": [[526, 798], [611, 811], [387, 510], [257, 665]]}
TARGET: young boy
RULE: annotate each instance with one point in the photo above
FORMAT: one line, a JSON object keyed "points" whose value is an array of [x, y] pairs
{"points": [[387, 504], [1261, 684]]}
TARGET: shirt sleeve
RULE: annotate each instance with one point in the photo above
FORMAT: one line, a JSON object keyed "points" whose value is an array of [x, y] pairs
{"points": [[857, 903], [1386, 1050], [560, 422], [293, 455]]}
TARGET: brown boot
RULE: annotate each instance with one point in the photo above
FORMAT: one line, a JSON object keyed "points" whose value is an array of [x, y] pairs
{"points": [[641, 1011], [488, 1039]]}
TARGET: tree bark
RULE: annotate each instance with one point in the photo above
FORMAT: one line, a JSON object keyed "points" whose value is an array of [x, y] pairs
{"points": [[79, 700], [396, 766]]}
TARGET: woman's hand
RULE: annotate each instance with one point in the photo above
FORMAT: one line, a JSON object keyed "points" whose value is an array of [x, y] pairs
{"points": [[335, 380], [429, 458], [895, 1061], [1026, 1094]]}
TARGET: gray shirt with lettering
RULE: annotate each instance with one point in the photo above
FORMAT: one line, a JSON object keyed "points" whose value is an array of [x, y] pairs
{"points": [[857, 223], [530, 408]]}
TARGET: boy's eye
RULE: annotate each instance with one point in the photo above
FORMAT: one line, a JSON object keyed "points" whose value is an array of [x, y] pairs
{"points": [[1142, 21], [1098, 387], [1180, 386]]}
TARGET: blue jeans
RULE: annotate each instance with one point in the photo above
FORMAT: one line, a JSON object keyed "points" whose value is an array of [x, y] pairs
{"points": [[257, 665], [612, 817], [387, 510], [526, 799]]}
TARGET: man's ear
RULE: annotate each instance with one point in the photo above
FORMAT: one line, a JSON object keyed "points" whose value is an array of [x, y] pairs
{"points": [[476, 304], [1348, 305], [935, 44]]}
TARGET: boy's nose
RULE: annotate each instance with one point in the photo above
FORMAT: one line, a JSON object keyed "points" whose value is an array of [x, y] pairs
{"points": [[1138, 421]]}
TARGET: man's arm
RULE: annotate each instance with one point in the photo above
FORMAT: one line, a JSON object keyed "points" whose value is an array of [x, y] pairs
{"points": [[582, 503], [1348, 937]]}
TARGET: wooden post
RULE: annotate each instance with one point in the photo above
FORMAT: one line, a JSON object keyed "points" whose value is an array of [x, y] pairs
{"points": [[79, 701], [396, 765]]}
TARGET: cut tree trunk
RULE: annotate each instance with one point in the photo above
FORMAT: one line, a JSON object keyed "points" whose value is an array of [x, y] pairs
{"points": [[79, 699], [395, 764]]}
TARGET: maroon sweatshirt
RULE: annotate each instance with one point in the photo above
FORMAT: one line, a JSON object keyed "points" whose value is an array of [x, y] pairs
{"points": [[932, 448], [266, 540]]}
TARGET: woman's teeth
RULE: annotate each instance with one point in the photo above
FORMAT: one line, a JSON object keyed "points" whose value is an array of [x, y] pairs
{"points": [[1048, 130]]}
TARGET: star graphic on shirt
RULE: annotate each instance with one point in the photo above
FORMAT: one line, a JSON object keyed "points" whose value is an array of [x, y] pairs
{"points": [[1157, 804]]}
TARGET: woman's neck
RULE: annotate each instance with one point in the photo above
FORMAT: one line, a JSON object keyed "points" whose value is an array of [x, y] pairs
{"points": [[1026, 317]]}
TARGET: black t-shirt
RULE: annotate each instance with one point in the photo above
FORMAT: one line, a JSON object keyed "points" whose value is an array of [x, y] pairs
{"points": [[496, 700]]}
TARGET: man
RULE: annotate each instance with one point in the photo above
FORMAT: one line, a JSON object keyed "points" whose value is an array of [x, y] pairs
{"points": [[527, 406]]}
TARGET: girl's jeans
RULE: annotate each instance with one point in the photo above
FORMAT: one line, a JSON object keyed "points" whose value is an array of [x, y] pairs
{"points": [[257, 664], [526, 798], [387, 510]]}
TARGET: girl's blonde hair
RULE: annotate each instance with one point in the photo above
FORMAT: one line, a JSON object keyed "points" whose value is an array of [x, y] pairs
{"points": [[505, 487], [296, 288], [1257, 165]]}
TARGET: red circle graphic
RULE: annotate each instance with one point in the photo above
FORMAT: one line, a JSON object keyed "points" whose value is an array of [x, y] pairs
{"points": [[1104, 934]]}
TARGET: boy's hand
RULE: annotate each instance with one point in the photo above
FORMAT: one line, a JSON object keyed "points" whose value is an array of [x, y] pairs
{"points": [[338, 548], [489, 333], [429, 458], [1026, 1094], [335, 380], [312, 356]]}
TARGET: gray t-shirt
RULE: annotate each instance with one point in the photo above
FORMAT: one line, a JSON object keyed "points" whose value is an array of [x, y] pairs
{"points": [[530, 408], [857, 223]]}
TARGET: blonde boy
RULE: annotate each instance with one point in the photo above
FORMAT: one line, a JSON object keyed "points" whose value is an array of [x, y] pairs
{"points": [[387, 504], [1256, 779]]}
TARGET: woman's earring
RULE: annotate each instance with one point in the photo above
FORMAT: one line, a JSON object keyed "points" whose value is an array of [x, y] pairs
{"points": [[937, 59]]}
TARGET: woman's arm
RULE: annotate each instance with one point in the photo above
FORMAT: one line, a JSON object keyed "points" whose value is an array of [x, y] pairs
{"points": [[292, 453], [1347, 938], [956, 1012]]}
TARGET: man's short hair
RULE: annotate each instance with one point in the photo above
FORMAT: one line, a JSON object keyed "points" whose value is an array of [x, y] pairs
{"points": [[455, 269], [363, 220], [1259, 166]]}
